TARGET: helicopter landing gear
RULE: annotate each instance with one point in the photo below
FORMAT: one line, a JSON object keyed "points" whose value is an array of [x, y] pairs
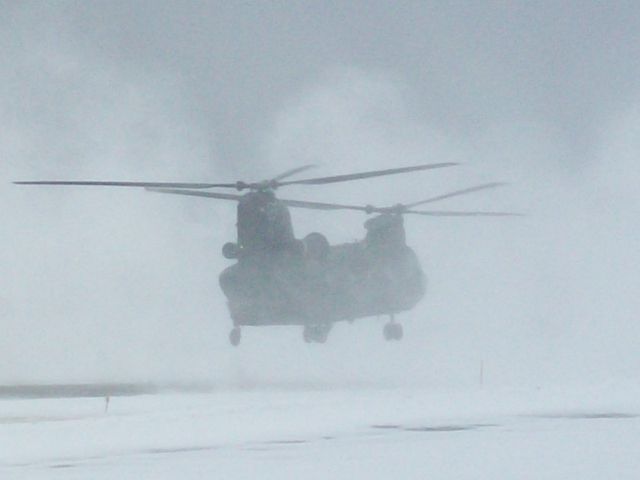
{"points": [[392, 330], [234, 336], [316, 333]]}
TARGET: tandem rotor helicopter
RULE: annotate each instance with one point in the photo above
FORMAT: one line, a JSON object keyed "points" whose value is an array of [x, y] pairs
{"points": [[280, 280]]}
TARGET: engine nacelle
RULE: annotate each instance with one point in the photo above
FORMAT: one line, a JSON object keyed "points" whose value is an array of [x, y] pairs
{"points": [[230, 250]]}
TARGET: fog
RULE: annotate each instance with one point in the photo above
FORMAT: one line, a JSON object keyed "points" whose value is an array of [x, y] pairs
{"points": [[122, 285]]}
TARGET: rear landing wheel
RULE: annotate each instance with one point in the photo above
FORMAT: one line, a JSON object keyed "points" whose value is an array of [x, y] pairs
{"points": [[387, 331], [392, 331], [234, 336], [399, 333]]}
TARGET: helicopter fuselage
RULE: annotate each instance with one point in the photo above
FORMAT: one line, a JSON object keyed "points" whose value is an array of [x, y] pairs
{"points": [[279, 280]]}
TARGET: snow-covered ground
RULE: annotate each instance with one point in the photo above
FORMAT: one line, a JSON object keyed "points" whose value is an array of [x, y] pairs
{"points": [[284, 431]]}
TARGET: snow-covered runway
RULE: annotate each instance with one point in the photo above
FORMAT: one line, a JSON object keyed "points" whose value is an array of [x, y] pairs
{"points": [[321, 432]]}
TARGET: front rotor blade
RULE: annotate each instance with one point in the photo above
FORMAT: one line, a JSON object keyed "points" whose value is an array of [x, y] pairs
{"points": [[362, 175], [457, 192], [289, 203], [445, 213], [129, 184], [329, 206], [291, 172], [194, 193]]}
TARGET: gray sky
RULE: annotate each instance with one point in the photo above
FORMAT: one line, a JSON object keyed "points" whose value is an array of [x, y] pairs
{"points": [[543, 94], [233, 65]]}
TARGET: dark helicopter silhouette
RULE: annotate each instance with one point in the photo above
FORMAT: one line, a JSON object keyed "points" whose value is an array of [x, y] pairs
{"points": [[280, 280]]}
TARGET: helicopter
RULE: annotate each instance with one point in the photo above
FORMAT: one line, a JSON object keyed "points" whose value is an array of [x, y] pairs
{"points": [[278, 279]]}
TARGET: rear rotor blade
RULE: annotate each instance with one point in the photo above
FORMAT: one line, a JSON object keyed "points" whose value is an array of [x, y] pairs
{"points": [[458, 192], [391, 210], [129, 184], [362, 175], [445, 213]]}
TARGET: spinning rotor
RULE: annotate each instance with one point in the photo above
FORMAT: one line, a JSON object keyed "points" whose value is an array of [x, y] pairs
{"points": [[200, 190]]}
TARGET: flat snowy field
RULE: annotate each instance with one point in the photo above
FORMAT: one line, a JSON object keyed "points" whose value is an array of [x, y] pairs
{"points": [[307, 433]]}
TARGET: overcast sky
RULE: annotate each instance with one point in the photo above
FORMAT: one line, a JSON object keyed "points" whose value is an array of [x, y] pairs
{"points": [[544, 94], [232, 66]]}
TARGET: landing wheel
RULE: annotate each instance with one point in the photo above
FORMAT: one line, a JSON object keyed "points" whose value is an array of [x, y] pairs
{"points": [[307, 334], [321, 335], [315, 333], [399, 333], [392, 331], [387, 331], [234, 336]]}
